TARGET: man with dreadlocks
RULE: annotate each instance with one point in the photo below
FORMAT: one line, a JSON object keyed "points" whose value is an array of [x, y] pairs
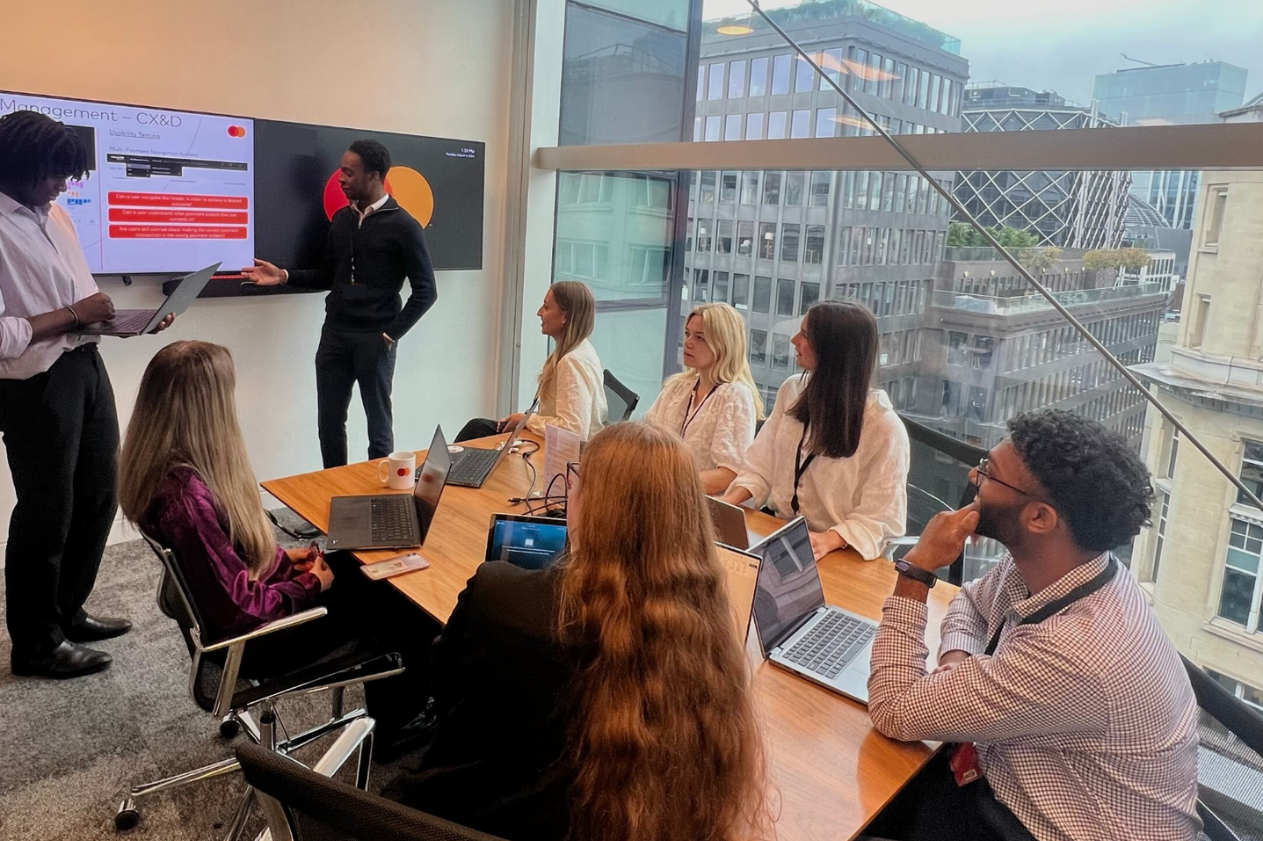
{"points": [[56, 407]]}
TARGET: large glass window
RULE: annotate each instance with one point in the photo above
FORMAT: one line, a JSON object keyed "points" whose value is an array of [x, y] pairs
{"points": [[1239, 601], [780, 74], [789, 242], [736, 79], [758, 77]]}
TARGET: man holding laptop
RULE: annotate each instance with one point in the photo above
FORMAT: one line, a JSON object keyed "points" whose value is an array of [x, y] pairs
{"points": [[1072, 714], [56, 406]]}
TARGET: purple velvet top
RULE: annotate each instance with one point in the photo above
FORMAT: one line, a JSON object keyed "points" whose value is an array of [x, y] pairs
{"points": [[185, 517]]}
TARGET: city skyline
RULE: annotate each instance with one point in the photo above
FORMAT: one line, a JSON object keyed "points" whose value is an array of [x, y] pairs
{"points": [[1079, 39]]}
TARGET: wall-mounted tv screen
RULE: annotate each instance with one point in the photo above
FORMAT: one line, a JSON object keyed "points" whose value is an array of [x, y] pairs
{"points": [[172, 191]]}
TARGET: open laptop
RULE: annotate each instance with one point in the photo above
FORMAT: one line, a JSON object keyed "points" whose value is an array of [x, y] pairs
{"points": [[135, 322], [741, 572], [799, 632], [392, 521], [730, 524], [525, 541], [472, 465]]}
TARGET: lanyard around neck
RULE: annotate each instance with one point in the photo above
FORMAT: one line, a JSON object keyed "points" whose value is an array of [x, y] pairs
{"points": [[1084, 590], [688, 419], [800, 466]]}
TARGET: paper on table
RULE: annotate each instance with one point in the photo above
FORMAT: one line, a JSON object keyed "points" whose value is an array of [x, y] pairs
{"points": [[561, 446]]}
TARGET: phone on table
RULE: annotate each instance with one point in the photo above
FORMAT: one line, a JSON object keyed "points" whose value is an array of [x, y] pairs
{"points": [[391, 567]]}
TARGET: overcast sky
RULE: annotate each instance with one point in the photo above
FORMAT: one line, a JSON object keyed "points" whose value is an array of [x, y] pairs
{"points": [[1062, 45]]}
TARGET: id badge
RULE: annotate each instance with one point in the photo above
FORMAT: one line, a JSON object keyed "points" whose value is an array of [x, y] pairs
{"points": [[964, 764]]}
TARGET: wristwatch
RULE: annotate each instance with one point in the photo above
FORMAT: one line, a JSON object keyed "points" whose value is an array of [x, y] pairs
{"points": [[926, 577]]}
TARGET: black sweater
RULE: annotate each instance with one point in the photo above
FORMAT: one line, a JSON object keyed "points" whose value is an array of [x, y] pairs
{"points": [[387, 248]]}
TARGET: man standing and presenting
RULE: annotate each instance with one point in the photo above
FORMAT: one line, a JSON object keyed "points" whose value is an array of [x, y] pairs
{"points": [[1072, 712], [373, 245], [56, 407]]}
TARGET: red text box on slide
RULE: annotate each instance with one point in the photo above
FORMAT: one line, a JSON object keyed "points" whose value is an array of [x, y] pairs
{"points": [[178, 200], [178, 216], [175, 232]]}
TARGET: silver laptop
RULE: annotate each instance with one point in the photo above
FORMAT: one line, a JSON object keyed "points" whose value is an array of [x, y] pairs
{"points": [[799, 632], [136, 322], [392, 521], [730, 524], [472, 465]]}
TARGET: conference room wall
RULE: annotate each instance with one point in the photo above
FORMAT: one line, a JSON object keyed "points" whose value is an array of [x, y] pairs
{"points": [[431, 67]]}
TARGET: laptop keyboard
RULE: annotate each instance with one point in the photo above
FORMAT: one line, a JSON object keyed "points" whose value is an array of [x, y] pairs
{"points": [[132, 323], [829, 647], [393, 520], [473, 466]]}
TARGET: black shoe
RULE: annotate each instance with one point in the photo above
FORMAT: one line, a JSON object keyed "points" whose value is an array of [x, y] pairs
{"points": [[91, 629], [390, 745], [65, 661]]}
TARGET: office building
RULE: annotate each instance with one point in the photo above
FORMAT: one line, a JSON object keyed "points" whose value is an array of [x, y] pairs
{"points": [[1000, 348], [1200, 560], [1173, 94], [773, 243], [1082, 209]]}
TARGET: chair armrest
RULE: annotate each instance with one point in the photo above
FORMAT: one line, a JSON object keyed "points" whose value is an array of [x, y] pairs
{"points": [[340, 751], [888, 551], [271, 627]]}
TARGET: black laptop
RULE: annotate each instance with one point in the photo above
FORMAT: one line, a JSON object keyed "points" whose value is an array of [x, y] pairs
{"points": [[472, 465], [392, 521]]}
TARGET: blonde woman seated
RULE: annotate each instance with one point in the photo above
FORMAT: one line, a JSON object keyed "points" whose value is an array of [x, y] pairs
{"points": [[606, 697], [572, 384], [714, 403], [833, 449], [185, 479]]}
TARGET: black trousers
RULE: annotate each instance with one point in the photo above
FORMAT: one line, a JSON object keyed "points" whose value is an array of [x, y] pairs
{"points": [[933, 808], [372, 616], [61, 437], [477, 428], [342, 360]]}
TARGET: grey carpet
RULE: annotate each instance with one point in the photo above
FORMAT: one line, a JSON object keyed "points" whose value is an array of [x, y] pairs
{"points": [[69, 750]]}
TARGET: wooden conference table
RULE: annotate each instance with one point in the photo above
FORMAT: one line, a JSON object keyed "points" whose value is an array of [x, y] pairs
{"points": [[831, 771]]}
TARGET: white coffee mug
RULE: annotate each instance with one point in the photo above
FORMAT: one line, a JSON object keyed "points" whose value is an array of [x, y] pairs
{"points": [[396, 470]]}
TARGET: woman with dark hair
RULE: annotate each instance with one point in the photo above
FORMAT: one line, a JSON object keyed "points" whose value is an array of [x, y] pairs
{"points": [[606, 697], [833, 449]]}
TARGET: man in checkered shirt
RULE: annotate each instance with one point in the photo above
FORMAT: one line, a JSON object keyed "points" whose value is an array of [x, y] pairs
{"points": [[1073, 713]]}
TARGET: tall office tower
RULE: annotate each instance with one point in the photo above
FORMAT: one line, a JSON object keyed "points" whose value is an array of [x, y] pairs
{"points": [[1005, 350], [1172, 94], [773, 243], [1066, 209], [1201, 558]]}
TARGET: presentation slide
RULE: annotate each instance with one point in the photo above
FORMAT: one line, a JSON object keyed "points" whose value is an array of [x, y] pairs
{"points": [[169, 191]]}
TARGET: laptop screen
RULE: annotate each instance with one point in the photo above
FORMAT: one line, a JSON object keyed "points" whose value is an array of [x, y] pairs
{"points": [[429, 487], [528, 542], [789, 586]]}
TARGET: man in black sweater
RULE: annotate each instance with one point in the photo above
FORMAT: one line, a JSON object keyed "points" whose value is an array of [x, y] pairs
{"points": [[373, 245]]}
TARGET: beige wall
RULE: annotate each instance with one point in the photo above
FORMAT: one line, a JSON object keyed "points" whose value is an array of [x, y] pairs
{"points": [[430, 67]]}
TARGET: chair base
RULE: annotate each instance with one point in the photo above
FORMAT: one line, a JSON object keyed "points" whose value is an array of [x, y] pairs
{"points": [[128, 814]]}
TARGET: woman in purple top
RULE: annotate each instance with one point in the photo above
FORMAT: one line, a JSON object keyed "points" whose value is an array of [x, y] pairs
{"points": [[185, 479]]}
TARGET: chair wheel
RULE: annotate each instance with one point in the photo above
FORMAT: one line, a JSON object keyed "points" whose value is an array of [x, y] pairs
{"points": [[229, 728], [127, 816]]}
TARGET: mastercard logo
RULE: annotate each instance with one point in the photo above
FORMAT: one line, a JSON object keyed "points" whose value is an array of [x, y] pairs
{"points": [[236, 131], [409, 188]]}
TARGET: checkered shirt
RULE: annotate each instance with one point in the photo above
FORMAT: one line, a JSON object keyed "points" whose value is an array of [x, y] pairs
{"points": [[1085, 723]]}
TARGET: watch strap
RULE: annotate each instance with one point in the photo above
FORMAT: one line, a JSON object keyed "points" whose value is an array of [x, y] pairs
{"points": [[906, 569]]}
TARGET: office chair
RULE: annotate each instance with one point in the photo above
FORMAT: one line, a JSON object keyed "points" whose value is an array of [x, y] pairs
{"points": [[1230, 760], [216, 687], [302, 804], [620, 399]]}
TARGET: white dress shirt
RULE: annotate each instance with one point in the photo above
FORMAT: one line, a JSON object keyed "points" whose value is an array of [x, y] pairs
{"points": [[576, 401], [863, 498], [1085, 723], [718, 431], [42, 269]]}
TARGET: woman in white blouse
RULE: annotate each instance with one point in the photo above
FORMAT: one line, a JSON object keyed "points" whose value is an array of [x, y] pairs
{"points": [[714, 403], [571, 385], [833, 449]]}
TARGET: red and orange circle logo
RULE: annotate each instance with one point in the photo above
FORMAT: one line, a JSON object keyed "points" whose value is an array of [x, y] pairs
{"points": [[408, 186]]}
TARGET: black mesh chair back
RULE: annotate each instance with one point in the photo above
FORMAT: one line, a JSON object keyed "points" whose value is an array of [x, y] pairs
{"points": [[1229, 761], [302, 805], [620, 399]]}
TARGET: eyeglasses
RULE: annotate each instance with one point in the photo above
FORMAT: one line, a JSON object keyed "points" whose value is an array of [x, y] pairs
{"points": [[982, 470], [572, 474]]}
